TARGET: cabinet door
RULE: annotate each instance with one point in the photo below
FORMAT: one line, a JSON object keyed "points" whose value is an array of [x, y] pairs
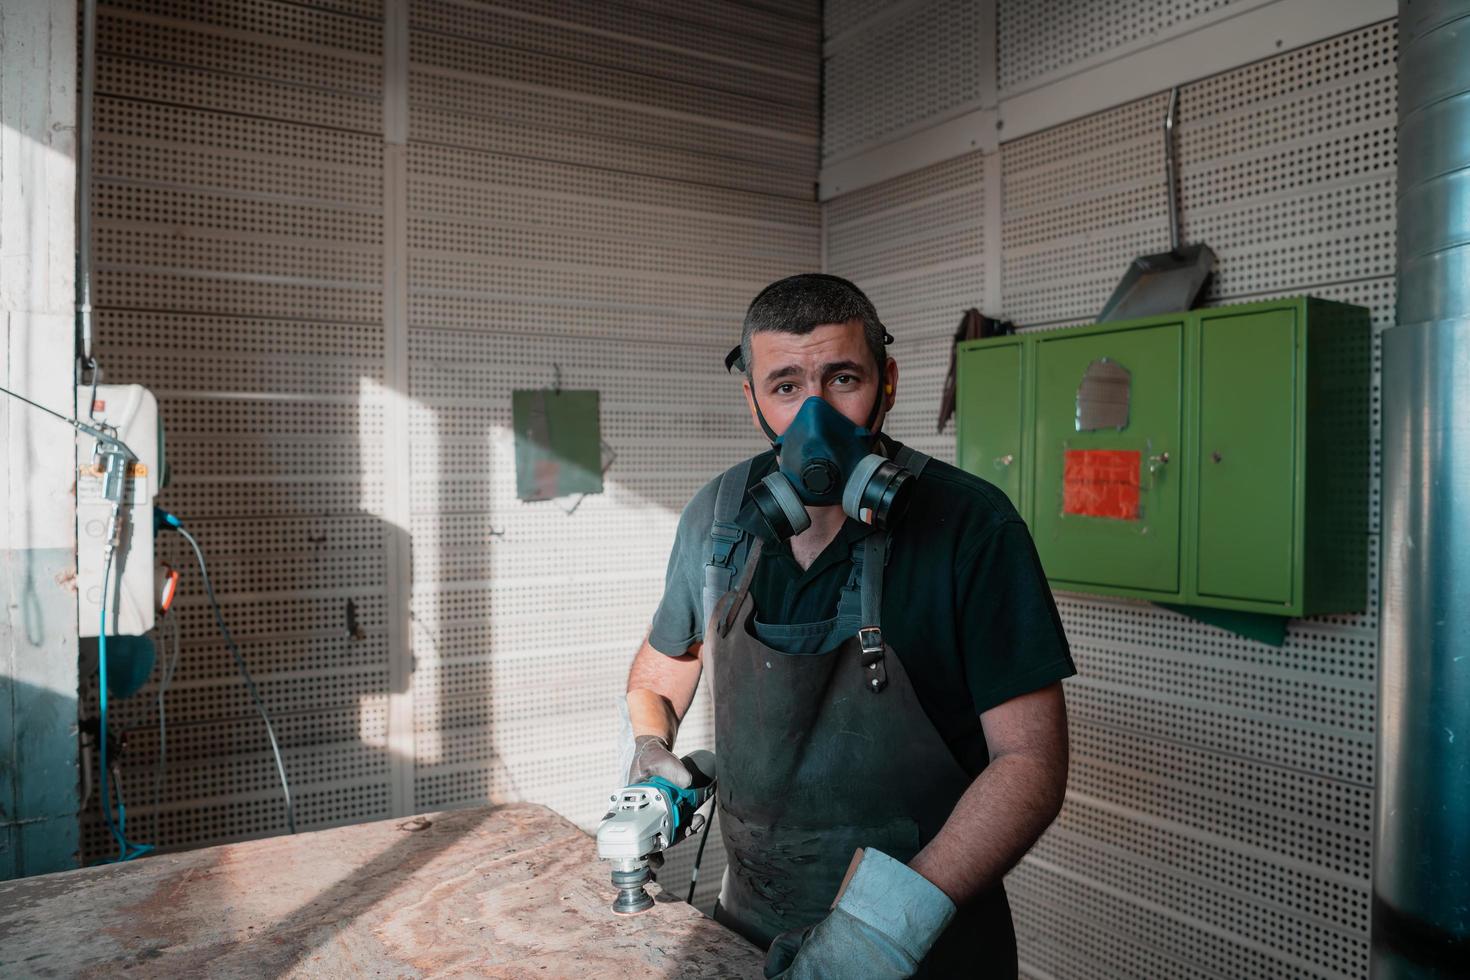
{"points": [[988, 414], [1107, 498], [1247, 452]]}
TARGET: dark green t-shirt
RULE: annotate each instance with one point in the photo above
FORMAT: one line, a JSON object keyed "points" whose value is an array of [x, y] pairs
{"points": [[966, 605]]}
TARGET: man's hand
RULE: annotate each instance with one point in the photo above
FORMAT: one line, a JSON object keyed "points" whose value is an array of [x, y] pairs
{"points": [[651, 757], [660, 689], [882, 927]]}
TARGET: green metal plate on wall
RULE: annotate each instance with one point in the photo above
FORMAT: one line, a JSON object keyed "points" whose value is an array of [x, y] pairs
{"points": [[558, 441], [1261, 627]]}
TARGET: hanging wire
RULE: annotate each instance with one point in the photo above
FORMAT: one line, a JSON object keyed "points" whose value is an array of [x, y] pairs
{"points": [[219, 619], [169, 666]]}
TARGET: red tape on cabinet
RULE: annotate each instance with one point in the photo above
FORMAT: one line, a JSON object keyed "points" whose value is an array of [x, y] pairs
{"points": [[1101, 483]]}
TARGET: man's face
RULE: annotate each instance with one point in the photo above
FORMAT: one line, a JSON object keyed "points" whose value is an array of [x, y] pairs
{"points": [[832, 362]]}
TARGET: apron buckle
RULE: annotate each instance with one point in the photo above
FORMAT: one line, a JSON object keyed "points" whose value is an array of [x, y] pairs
{"points": [[870, 639]]}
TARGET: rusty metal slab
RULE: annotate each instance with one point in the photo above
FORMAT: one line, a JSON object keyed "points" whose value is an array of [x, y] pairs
{"points": [[512, 892]]}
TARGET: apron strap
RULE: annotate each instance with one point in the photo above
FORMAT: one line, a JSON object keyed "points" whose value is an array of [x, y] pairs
{"points": [[870, 634], [911, 460], [747, 576], [725, 534], [871, 567], [849, 599]]}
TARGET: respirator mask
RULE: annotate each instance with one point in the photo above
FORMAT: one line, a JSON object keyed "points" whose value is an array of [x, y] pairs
{"points": [[825, 459]]}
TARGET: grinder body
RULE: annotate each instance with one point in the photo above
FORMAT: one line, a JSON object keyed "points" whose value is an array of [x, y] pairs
{"points": [[648, 818]]}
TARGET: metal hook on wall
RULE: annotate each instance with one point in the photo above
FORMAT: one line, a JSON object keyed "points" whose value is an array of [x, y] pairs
{"points": [[90, 372]]}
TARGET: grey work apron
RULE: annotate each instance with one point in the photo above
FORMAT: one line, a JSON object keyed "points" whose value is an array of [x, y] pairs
{"points": [[815, 761]]}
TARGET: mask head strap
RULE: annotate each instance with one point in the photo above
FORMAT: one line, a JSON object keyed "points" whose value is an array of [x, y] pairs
{"points": [[761, 417], [877, 398]]}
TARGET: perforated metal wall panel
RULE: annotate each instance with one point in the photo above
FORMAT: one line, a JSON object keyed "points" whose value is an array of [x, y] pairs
{"points": [[1220, 803], [333, 237], [894, 71], [1079, 202], [239, 243], [599, 213], [1218, 818], [1040, 38], [917, 246]]}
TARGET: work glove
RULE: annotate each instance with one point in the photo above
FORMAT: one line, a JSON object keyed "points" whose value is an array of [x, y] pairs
{"points": [[882, 927], [651, 757]]}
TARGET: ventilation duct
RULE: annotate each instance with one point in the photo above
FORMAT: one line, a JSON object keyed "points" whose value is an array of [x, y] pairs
{"points": [[1421, 909]]}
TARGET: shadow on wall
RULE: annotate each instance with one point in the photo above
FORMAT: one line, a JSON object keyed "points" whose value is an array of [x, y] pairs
{"points": [[38, 714], [516, 669], [525, 615], [38, 781]]}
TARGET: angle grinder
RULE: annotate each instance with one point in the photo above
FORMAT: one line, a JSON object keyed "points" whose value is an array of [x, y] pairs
{"points": [[647, 818]]}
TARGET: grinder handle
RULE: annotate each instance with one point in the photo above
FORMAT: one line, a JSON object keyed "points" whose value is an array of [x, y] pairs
{"points": [[701, 766]]}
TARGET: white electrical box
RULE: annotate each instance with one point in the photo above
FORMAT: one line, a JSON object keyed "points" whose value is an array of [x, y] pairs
{"points": [[129, 412]]}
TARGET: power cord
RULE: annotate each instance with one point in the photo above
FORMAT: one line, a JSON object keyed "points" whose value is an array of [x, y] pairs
{"points": [[173, 522], [166, 677], [699, 857]]}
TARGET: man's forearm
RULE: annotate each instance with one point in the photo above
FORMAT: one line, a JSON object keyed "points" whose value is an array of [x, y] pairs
{"points": [[1001, 815], [652, 714], [660, 689]]}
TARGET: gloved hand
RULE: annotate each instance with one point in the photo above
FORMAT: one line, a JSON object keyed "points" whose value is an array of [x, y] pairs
{"points": [[883, 926], [651, 757]]}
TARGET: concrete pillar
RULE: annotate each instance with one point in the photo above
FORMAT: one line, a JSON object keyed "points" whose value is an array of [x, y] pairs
{"points": [[39, 795]]}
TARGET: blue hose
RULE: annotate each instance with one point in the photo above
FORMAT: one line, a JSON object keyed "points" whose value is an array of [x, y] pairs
{"points": [[126, 849]]}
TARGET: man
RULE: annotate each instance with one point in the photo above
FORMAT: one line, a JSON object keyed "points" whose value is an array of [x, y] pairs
{"points": [[886, 658]]}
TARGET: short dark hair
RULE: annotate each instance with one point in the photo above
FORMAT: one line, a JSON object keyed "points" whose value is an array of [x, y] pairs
{"points": [[801, 303]]}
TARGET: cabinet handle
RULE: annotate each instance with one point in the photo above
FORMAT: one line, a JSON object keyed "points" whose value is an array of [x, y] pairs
{"points": [[1005, 460], [1215, 456], [1156, 463]]}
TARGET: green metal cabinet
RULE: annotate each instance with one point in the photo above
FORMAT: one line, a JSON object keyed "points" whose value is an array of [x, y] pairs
{"points": [[989, 410], [1233, 469], [1245, 468], [1085, 550]]}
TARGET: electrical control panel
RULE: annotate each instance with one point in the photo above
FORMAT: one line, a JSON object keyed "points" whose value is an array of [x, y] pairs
{"points": [[130, 414]]}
